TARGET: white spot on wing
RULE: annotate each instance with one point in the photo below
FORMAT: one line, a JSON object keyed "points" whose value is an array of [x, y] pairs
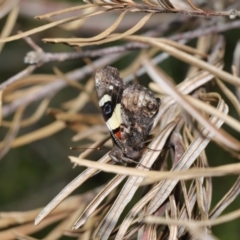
{"points": [[104, 99], [110, 87], [96, 80]]}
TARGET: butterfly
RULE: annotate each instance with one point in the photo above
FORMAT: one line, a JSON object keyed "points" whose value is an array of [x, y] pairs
{"points": [[129, 112]]}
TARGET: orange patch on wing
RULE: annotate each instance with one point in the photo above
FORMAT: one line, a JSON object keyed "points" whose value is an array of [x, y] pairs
{"points": [[118, 134]]}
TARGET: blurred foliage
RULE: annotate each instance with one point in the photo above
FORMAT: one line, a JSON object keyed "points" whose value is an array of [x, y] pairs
{"points": [[31, 175]]}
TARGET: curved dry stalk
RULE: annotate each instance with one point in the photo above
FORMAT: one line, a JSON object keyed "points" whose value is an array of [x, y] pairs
{"points": [[7, 6], [38, 134], [196, 147], [71, 9], [190, 214], [27, 229], [194, 224], [47, 26], [27, 71], [98, 37], [211, 110], [11, 20], [25, 218], [12, 132], [229, 197], [233, 99], [35, 116], [155, 176], [97, 200], [165, 7], [126, 6], [222, 136], [132, 184], [112, 37], [58, 84], [189, 59], [68, 190]]}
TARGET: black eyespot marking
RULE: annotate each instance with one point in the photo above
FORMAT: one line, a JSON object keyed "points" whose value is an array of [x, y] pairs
{"points": [[107, 110]]}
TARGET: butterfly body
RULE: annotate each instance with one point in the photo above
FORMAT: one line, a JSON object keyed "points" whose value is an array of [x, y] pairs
{"points": [[129, 112]]}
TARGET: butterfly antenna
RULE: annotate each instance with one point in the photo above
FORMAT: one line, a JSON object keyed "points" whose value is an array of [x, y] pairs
{"points": [[149, 168], [79, 148], [138, 163], [154, 150]]}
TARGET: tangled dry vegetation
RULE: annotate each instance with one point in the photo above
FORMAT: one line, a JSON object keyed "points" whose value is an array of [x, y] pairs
{"points": [[174, 178]]}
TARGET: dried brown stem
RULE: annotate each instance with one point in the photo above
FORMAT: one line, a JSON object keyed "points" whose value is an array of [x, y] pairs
{"points": [[52, 88], [26, 72], [35, 57]]}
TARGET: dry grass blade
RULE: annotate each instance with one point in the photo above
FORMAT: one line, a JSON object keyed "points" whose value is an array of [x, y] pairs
{"points": [[71, 9], [38, 134], [13, 130], [97, 200], [156, 175], [170, 89], [194, 224], [58, 231], [226, 200], [7, 6], [169, 193], [233, 99], [11, 220], [110, 38], [211, 110], [35, 116], [58, 84], [185, 162], [28, 227], [1, 92], [87, 119], [68, 190], [186, 87], [201, 199], [11, 20], [186, 213], [28, 70], [183, 47], [236, 59], [187, 200], [93, 147], [131, 186], [193, 6], [47, 26], [189, 59], [96, 38], [89, 132], [23, 237], [173, 209], [166, 4]]}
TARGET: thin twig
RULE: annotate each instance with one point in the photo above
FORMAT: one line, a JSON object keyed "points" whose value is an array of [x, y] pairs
{"points": [[7, 6], [221, 27], [34, 57], [51, 88], [10, 108], [43, 57], [26, 72]]}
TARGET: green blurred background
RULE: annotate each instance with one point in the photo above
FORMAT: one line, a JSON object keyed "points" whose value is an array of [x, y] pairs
{"points": [[30, 176]]}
